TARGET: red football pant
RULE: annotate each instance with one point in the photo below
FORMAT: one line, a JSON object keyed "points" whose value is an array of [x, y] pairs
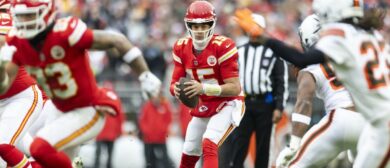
{"points": [[47, 156]]}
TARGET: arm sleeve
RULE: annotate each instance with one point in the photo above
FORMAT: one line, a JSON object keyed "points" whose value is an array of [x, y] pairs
{"points": [[178, 71], [279, 79], [290, 54]]}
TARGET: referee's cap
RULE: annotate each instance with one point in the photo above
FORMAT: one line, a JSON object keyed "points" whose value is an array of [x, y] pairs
{"points": [[259, 19]]}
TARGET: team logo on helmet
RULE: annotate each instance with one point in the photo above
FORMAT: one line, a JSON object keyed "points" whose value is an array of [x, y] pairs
{"points": [[211, 60], [57, 52]]}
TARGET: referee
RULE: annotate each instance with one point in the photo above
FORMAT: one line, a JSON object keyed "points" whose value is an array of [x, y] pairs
{"points": [[264, 78]]}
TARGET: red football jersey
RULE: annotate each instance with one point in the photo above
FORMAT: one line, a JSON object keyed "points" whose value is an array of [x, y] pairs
{"points": [[218, 61], [22, 80], [60, 63]]}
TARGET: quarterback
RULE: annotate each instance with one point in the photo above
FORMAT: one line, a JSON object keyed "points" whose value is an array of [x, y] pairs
{"points": [[210, 60]]}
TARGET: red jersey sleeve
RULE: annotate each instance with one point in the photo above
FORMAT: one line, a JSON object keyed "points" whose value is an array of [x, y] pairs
{"points": [[179, 70], [228, 59], [79, 35]]}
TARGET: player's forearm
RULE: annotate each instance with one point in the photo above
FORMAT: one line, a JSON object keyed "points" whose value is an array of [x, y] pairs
{"points": [[301, 117], [230, 89], [294, 56], [139, 65]]}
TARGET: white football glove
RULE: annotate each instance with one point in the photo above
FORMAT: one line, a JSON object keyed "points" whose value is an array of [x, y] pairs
{"points": [[285, 157], [7, 52], [150, 85], [288, 153]]}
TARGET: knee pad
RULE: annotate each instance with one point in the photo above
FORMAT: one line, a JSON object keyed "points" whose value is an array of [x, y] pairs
{"points": [[41, 147], [192, 148]]}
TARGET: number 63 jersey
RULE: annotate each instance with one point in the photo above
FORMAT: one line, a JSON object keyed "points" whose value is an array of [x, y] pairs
{"points": [[360, 60], [217, 62], [60, 63]]}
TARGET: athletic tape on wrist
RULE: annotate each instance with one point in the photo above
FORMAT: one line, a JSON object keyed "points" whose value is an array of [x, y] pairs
{"points": [[132, 54], [212, 89], [296, 117]]}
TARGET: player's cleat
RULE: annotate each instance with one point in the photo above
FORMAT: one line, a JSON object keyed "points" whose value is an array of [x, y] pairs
{"points": [[77, 163]]}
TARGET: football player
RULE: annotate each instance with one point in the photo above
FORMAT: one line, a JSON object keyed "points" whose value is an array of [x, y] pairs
{"points": [[359, 61], [20, 105], [210, 60], [332, 134], [54, 51]]}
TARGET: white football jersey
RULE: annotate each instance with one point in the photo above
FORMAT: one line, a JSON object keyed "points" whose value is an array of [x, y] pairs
{"points": [[360, 63], [328, 88]]}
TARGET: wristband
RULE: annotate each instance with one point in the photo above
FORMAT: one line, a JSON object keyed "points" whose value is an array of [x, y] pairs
{"points": [[212, 89], [296, 117], [132, 54]]}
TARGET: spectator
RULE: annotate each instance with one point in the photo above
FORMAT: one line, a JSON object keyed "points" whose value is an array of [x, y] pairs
{"points": [[155, 119]]}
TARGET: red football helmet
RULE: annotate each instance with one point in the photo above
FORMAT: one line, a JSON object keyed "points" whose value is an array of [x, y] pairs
{"points": [[4, 4], [200, 12], [32, 16]]}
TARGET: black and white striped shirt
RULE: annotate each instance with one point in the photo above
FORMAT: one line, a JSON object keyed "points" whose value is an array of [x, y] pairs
{"points": [[261, 72]]}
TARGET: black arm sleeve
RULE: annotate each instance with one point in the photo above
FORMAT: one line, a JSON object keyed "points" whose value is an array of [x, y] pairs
{"points": [[292, 55], [279, 78]]}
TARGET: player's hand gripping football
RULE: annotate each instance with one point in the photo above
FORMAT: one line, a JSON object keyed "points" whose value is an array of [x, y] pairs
{"points": [[244, 19], [193, 88], [150, 85]]}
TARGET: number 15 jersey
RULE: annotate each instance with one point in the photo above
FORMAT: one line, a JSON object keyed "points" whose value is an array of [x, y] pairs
{"points": [[217, 62]]}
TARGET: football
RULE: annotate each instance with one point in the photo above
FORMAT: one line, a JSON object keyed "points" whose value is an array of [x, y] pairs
{"points": [[189, 102]]}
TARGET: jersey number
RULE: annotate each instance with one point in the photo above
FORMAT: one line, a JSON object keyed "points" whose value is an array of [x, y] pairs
{"points": [[371, 66], [330, 75], [60, 72], [205, 75]]}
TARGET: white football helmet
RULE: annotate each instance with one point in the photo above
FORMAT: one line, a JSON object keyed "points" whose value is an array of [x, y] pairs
{"points": [[309, 31], [337, 10]]}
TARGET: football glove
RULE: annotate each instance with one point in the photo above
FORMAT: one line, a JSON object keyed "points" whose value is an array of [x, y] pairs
{"points": [[150, 85], [288, 153], [285, 157], [7, 52]]}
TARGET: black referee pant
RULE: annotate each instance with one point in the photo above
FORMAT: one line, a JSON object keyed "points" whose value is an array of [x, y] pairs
{"points": [[258, 118]]}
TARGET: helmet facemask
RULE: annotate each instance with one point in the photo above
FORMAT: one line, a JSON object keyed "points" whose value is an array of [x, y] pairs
{"points": [[201, 38], [30, 21]]}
